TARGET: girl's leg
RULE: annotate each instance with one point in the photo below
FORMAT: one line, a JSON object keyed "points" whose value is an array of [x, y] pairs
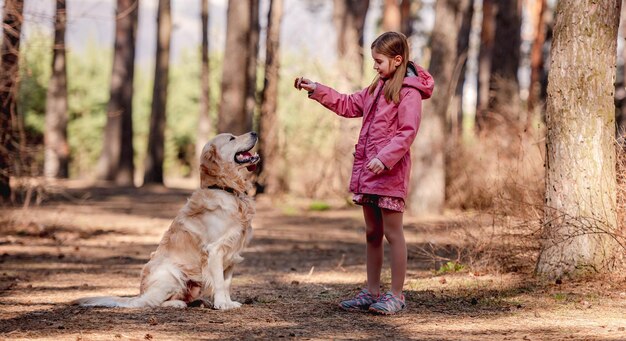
{"points": [[392, 222], [374, 250]]}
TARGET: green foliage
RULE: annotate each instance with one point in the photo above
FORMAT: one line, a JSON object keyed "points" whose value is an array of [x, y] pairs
{"points": [[34, 76], [450, 267], [89, 74], [319, 206], [88, 85]]}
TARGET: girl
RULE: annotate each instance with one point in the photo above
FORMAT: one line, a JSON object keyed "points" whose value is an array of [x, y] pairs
{"points": [[391, 109]]}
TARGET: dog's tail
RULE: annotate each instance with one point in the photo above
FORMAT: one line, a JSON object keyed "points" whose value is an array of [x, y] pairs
{"points": [[145, 300]]}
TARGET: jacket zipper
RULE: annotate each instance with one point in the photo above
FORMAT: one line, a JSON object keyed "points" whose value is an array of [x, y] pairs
{"points": [[367, 137]]}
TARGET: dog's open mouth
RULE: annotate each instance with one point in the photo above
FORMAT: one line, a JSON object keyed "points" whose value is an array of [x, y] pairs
{"points": [[248, 159]]}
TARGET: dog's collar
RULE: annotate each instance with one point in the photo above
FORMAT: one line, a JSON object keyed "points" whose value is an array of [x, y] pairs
{"points": [[227, 189]]}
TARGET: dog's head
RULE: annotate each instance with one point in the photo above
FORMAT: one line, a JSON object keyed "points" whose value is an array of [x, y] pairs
{"points": [[226, 159]]}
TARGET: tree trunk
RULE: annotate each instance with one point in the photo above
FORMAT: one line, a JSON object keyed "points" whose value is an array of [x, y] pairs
{"points": [[153, 172], [253, 52], [427, 193], [270, 179], [9, 73], [391, 16], [538, 10], [620, 91], [485, 53], [116, 161], [503, 83], [204, 120], [233, 117], [349, 20], [56, 156], [580, 195], [455, 123], [407, 17]]}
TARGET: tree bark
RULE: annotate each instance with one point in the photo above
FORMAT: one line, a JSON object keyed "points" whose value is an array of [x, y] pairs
{"points": [[391, 16], [233, 117], [620, 91], [538, 10], [503, 83], [116, 161], [270, 179], [455, 124], [580, 195], [253, 52], [56, 155], [153, 172], [485, 53], [204, 120], [407, 17], [427, 194], [349, 20], [9, 80]]}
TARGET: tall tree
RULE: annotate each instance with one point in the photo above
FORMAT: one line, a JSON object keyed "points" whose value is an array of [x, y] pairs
{"points": [[455, 124], [204, 120], [253, 52], [499, 99], [537, 13], [485, 54], [427, 192], [153, 171], [56, 156], [392, 20], [620, 91], [349, 21], [9, 73], [233, 117], [580, 193], [270, 181], [506, 60], [116, 161], [407, 16]]}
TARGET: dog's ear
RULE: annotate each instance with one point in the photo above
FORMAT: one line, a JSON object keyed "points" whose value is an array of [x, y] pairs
{"points": [[209, 161]]}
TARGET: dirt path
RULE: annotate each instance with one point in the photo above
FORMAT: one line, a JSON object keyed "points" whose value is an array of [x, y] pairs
{"points": [[94, 241]]}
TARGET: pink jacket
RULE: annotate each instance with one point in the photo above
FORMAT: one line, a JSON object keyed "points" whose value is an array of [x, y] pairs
{"points": [[387, 132]]}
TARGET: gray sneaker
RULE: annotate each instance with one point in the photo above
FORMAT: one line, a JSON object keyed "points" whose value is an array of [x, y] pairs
{"points": [[361, 302], [388, 304]]}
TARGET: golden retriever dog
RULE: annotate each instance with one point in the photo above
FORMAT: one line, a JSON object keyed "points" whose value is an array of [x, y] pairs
{"points": [[196, 256]]}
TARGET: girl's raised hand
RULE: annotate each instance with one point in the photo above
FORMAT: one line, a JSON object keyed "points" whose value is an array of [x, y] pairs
{"points": [[303, 83]]}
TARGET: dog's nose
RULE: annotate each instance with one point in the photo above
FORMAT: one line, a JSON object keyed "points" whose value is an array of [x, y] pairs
{"points": [[254, 134]]}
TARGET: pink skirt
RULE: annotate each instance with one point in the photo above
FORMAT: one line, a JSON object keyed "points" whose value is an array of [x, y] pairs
{"points": [[381, 201]]}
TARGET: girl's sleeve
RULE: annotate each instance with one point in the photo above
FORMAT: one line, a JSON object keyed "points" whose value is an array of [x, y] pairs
{"points": [[409, 117], [341, 104]]}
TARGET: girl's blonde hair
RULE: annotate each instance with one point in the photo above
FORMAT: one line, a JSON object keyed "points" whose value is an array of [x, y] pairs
{"points": [[391, 44]]}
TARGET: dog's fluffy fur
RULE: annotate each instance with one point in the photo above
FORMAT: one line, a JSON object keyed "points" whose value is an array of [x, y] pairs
{"points": [[196, 256]]}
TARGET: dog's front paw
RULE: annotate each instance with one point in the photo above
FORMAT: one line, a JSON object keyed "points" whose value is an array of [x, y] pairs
{"points": [[225, 305]]}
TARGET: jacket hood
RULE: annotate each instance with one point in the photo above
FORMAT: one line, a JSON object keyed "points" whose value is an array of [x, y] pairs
{"points": [[419, 79]]}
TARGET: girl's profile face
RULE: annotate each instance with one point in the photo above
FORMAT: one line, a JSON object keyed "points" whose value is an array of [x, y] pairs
{"points": [[384, 65]]}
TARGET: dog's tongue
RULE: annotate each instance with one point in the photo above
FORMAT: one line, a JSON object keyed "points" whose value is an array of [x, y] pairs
{"points": [[251, 168]]}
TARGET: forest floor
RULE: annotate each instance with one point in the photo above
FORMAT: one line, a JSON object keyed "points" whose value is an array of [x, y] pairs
{"points": [[86, 241]]}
